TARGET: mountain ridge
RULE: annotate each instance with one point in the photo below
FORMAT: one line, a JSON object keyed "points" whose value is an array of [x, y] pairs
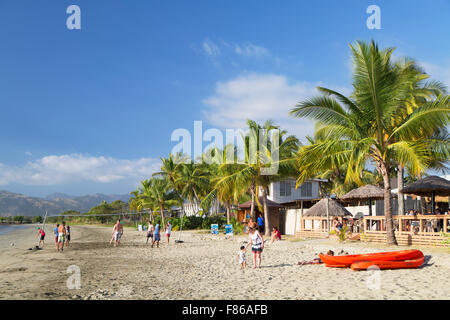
{"points": [[17, 204]]}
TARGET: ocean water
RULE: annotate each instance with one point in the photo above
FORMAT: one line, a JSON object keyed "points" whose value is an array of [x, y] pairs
{"points": [[7, 228]]}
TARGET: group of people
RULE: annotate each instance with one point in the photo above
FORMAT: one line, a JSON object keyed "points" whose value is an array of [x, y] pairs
{"points": [[62, 236], [154, 233]]}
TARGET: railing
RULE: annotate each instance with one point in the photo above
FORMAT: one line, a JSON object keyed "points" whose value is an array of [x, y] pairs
{"points": [[409, 230]]}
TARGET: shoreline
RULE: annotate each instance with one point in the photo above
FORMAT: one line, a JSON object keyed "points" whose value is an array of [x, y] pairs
{"points": [[205, 266]]}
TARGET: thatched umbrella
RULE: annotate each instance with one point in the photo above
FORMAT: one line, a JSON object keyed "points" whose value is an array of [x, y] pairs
{"points": [[335, 209], [368, 192], [432, 185]]}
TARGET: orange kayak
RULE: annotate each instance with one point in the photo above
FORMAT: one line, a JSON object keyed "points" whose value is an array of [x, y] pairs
{"points": [[410, 264], [379, 256]]}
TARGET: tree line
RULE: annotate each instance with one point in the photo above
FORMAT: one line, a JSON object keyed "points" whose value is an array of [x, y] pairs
{"points": [[395, 122]]}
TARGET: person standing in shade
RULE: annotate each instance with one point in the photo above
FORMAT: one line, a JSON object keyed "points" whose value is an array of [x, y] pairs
{"points": [[168, 231], [260, 223], [156, 235]]}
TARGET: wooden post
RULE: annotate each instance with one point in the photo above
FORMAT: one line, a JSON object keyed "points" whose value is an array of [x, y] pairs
{"points": [[433, 209], [328, 216], [421, 225]]}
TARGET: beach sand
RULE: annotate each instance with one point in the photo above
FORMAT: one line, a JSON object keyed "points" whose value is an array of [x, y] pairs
{"points": [[203, 267]]}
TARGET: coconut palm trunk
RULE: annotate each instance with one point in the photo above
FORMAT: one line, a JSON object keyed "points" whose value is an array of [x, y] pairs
{"points": [[401, 202], [162, 217], [252, 206], [266, 213], [390, 232], [228, 212]]}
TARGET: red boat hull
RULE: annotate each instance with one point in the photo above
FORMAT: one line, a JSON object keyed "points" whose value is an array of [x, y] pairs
{"points": [[411, 264], [348, 260]]}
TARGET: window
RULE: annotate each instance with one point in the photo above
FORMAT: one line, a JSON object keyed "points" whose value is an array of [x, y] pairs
{"points": [[285, 188], [307, 189]]}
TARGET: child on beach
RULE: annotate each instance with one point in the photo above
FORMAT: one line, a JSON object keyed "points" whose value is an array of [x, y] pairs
{"points": [[168, 231], [242, 259]]}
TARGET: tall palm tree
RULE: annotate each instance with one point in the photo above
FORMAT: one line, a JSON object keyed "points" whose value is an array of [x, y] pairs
{"points": [[250, 173], [162, 195], [367, 127]]}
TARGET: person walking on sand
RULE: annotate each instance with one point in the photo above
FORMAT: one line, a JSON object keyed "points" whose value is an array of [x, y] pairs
{"points": [[168, 231], [150, 231], [61, 236], [117, 233], [55, 231], [260, 222], [41, 235], [256, 240], [67, 235], [156, 235], [242, 259]]}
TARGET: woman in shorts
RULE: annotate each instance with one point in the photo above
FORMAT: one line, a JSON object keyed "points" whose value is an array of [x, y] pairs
{"points": [[256, 240]]}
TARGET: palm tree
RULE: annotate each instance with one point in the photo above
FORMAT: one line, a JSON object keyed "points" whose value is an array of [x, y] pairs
{"points": [[368, 127], [251, 174], [162, 195]]}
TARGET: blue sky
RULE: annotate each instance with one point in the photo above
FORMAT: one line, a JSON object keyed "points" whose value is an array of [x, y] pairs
{"points": [[92, 110]]}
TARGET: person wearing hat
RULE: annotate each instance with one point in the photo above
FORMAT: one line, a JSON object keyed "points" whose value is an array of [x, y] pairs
{"points": [[41, 235]]}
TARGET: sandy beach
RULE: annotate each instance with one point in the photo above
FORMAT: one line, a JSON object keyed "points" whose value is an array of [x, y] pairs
{"points": [[203, 267]]}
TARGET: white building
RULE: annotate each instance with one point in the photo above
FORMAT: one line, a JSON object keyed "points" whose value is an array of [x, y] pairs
{"points": [[284, 191]]}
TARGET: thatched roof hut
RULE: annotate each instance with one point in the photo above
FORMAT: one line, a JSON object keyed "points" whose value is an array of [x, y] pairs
{"points": [[363, 193], [428, 186], [335, 209]]}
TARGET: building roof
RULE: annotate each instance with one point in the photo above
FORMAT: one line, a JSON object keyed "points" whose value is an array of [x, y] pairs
{"points": [[335, 209], [270, 204], [363, 193], [425, 186]]}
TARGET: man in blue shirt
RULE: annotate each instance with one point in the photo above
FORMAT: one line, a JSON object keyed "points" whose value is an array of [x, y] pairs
{"points": [[156, 235], [260, 222]]}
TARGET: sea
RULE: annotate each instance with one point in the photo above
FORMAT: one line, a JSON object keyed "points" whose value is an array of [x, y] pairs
{"points": [[7, 228]]}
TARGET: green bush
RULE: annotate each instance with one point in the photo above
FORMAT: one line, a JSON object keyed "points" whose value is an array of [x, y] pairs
{"points": [[238, 227]]}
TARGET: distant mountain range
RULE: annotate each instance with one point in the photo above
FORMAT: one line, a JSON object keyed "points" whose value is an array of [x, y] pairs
{"points": [[16, 204]]}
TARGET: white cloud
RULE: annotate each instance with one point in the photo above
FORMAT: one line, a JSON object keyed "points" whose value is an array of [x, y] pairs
{"points": [[260, 97], [249, 50], [210, 48], [436, 72], [220, 48], [66, 169]]}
